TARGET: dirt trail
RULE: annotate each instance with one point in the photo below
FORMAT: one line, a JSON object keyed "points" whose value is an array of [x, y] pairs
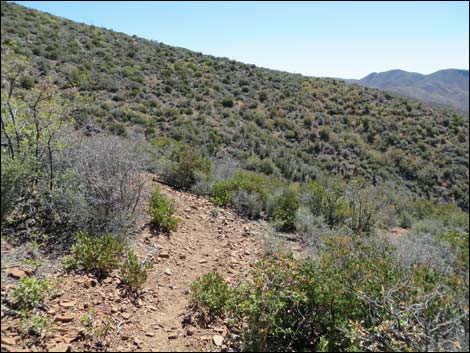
{"points": [[204, 241], [207, 239]]}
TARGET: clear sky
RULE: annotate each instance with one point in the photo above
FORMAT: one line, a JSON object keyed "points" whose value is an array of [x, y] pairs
{"points": [[336, 39]]}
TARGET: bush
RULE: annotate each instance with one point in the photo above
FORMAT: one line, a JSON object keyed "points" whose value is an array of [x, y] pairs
{"points": [[285, 209], [108, 171], [227, 102], [178, 163], [134, 273], [340, 302], [249, 204], [209, 294], [99, 255], [187, 165], [36, 324], [30, 292], [327, 201], [162, 209], [265, 166], [15, 176], [365, 205]]}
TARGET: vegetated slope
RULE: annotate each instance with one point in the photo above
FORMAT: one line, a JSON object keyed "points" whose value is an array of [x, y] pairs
{"points": [[446, 88], [306, 126]]}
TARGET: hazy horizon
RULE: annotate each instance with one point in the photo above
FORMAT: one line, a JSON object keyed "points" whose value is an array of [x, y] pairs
{"points": [[324, 39]]}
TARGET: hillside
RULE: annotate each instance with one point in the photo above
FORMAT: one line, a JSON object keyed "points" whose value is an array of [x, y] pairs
{"points": [[306, 126], [446, 88], [154, 198]]}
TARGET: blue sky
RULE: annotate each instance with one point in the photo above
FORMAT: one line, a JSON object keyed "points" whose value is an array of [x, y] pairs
{"points": [[336, 39]]}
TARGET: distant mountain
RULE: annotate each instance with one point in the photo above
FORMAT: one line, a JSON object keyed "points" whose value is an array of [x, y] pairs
{"points": [[445, 88]]}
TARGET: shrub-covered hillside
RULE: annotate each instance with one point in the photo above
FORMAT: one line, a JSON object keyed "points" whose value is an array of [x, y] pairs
{"points": [[274, 122]]}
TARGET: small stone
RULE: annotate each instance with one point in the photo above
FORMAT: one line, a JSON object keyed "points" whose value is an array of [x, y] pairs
{"points": [[125, 316], [218, 340], [10, 341], [149, 334], [202, 261], [190, 332], [168, 272], [114, 309], [16, 273], [182, 257], [172, 336], [164, 255], [64, 318], [7, 287], [90, 283], [68, 304], [61, 348]]}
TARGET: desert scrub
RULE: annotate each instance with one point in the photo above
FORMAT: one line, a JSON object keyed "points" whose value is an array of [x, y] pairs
{"points": [[36, 324], [162, 209], [96, 254], [30, 293], [209, 294], [134, 273]]}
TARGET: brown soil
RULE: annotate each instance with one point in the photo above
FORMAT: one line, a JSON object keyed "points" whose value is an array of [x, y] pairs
{"points": [[206, 240]]}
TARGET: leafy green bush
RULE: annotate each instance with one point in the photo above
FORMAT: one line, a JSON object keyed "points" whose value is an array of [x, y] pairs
{"points": [[340, 302], [134, 273], [97, 254], [30, 292], [14, 182], [179, 164], [188, 164], [327, 201], [36, 324], [286, 207], [210, 293], [227, 102], [162, 209]]}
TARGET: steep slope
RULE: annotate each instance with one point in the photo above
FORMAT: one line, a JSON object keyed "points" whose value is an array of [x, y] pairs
{"points": [[308, 127], [446, 88]]}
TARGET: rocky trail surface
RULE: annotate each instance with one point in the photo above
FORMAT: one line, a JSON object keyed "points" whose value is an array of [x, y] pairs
{"points": [[92, 315]]}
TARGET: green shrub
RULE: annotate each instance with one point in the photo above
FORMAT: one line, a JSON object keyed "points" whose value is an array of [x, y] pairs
{"points": [[36, 324], [227, 102], [326, 201], [27, 82], [188, 165], [15, 175], [96, 254], [134, 273], [183, 167], [118, 129], [338, 303], [30, 292], [286, 207], [210, 293], [162, 209]]}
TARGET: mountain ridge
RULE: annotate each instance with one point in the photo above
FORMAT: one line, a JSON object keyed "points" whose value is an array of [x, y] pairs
{"points": [[300, 127], [446, 88]]}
